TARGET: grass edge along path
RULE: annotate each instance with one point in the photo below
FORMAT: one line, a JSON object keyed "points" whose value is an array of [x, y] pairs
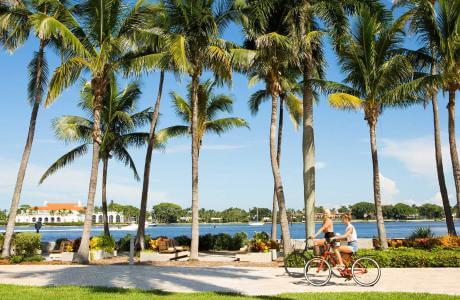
{"points": [[74, 292]]}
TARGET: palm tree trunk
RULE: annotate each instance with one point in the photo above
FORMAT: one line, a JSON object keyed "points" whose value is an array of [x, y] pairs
{"points": [[453, 146], [376, 180], [25, 154], [195, 158], [308, 153], [287, 245], [278, 160], [99, 86], [140, 241], [105, 165], [440, 167]]}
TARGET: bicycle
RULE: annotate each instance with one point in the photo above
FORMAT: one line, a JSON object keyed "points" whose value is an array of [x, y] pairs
{"points": [[295, 262], [365, 271]]}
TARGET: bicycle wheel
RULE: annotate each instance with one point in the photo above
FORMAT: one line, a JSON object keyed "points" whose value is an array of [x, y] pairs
{"points": [[294, 263], [366, 271], [317, 271]]}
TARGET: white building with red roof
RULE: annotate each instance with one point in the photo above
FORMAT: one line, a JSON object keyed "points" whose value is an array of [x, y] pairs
{"points": [[62, 213]]}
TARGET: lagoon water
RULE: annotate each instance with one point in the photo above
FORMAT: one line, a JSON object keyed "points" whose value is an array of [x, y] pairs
{"points": [[364, 229]]}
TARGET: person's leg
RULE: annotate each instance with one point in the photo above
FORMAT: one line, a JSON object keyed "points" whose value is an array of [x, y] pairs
{"points": [[343, 249]]}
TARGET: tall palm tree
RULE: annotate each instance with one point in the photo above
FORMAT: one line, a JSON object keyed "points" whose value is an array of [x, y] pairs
{"points": [[262, 15], [119, 122], [378, 77], [306, 34], [293, 104], [15, 28], [267, 56], [422, 20], [199, 24], [101, 43], [163, 51]]}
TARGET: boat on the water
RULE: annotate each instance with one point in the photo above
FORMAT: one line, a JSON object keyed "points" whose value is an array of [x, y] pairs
{"points": [[256, 223], [132, 226]]}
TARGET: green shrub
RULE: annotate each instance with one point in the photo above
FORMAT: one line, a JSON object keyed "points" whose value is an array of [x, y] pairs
{"points": [[240, 239], [401, 258], [261, 236], [413, 258], [26, 244], [206, 242], [2, 238], [183, 240], [421, 233], [223, 241], [16, 259], [103, 242], [35, 258], [123, 244]]}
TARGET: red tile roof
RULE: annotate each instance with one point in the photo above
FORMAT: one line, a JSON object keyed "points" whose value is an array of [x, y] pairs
{"points": [[59, 206]]}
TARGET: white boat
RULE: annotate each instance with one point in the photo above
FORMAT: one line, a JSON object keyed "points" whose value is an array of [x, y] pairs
{"points": [[257, 223], [151, 224], [130, 227]]}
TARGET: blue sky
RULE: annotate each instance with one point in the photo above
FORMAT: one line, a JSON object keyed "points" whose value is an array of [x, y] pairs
{"points": [[234, 168]]}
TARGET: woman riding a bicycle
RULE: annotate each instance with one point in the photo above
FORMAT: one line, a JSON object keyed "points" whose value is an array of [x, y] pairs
{"points": [[351, 236], [327, 227]]}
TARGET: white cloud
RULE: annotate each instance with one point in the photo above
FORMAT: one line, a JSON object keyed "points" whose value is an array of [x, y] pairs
{"points": [[417, 154], [389, 189], [320, 165]]}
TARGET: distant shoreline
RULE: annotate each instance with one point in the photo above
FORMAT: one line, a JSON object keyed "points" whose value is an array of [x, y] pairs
{"points": [[228, 223]]}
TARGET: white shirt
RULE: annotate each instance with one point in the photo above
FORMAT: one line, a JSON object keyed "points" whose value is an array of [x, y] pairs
{"points": [[353, 236]]}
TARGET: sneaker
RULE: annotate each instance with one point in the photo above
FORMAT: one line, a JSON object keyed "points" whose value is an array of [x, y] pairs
{"points": [[340, 267]]}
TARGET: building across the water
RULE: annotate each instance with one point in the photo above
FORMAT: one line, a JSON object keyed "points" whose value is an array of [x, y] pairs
{"points": [[62, 213]]}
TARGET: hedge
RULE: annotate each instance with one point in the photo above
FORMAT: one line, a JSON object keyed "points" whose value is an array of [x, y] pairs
{"points": [[414, 258], [408, 258]]}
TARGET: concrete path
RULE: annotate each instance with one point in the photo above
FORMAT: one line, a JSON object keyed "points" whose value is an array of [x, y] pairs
{"points": [[251, 281]]}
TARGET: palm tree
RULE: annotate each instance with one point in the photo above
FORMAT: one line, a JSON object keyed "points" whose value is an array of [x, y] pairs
{"points": [[209, 105], [379, 77], [15, 28], [100, 44], [258, 15], [306, 34], [267, 57], [163, 51], [198, 25], [119, 121], [293, 105], [422, 21]]}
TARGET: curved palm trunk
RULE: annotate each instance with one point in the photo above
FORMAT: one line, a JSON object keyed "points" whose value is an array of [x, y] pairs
{"points": [[82, 256], [308, 154], [278, 159], [25, 155], [286, 236], [105, 165], [140, 241], [453, 145], [440, 167], [195, 158], [376, 181]]}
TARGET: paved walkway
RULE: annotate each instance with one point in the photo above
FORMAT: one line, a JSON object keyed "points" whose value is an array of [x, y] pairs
{"points": [[251, 281]]}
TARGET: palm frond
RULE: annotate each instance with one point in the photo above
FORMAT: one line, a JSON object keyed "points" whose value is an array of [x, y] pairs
{"points": [[345, 101], [225, 124], [64, 161]]}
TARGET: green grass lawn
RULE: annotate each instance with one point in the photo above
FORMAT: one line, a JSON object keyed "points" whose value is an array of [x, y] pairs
{"points": [[72, 292]]}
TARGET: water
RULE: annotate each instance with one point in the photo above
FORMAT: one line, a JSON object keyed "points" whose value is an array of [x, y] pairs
{"points": [[364, 229]]}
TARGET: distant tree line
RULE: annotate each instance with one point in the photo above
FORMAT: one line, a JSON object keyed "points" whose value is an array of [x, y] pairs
{"points": [[174, 213]]}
